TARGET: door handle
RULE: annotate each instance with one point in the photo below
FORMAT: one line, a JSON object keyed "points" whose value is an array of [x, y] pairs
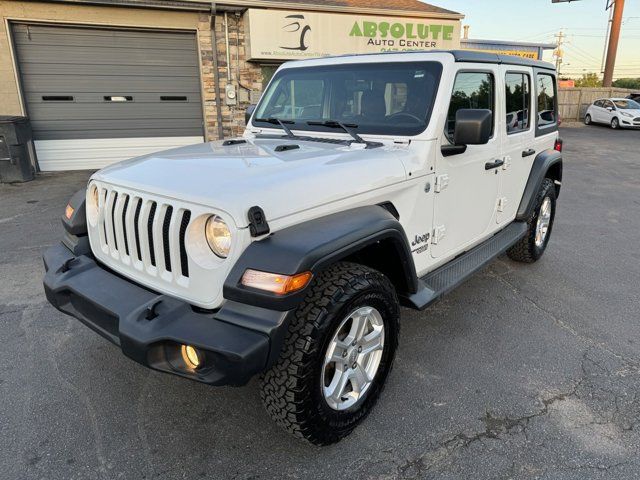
{"points": [[528, 153], [494, 164]]}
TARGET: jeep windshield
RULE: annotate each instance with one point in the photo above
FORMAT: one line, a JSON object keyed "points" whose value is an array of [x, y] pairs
{"points": [[393, 98]]}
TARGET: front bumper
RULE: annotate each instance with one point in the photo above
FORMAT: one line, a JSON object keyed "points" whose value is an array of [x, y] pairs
{"points": [[237, 342]]}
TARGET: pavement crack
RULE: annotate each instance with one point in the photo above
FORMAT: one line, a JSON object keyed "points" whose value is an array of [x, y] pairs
{"points": [[635, 365], [496, 428]]}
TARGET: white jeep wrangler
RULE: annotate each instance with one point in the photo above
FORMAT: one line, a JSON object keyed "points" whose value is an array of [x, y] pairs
{"points": [[362, 183]]}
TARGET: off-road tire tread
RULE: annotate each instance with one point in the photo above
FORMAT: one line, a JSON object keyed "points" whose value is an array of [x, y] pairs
{"points": [[284, 389], [524, 250]]}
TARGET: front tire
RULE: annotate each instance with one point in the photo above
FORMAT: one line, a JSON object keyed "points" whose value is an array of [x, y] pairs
{"points": [[615, 123], [587, 119], [531, 247], [339, 349]]}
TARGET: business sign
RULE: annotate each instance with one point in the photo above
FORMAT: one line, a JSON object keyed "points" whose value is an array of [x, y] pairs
{"points": [[532, 54], [287, 35]]}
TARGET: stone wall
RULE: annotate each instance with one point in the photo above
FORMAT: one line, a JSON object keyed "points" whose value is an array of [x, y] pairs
{"points": [[246, 76]]}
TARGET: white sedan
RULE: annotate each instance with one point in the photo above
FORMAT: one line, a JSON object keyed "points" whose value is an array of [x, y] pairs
{"points": [[615, 112]]}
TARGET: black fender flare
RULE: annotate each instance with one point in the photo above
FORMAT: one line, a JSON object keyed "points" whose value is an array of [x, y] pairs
{"points": [[544, 163], [312, 246]]}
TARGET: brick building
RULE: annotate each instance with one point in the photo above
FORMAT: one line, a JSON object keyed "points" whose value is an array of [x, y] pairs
{"points": [[102, 80]]}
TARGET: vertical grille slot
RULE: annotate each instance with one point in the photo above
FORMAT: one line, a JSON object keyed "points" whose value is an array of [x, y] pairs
{"points": [[166, 242], [136, 228], [102, 205], [152, 213], [124, 223], [184, 223], [146, 236], [113, 219]]}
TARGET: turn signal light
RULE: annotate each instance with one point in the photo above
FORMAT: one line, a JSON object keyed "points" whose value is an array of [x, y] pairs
{"points": [[275, 282], [68, 212]]}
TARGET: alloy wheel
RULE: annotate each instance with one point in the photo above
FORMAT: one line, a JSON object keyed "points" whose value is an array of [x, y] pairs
{"points": [[352, 358], [544, 220]]}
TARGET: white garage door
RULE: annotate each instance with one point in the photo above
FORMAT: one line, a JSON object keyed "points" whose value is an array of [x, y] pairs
{"points": [[97, 96]]}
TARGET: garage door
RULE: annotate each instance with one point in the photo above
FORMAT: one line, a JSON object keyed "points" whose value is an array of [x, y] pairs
{"points": [[97, 96]]}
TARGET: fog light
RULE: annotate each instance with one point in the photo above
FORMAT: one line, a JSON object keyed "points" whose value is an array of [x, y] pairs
{"points": [[191, 356]]}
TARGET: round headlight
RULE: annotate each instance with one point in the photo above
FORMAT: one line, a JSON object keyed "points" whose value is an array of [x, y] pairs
{"points": [[92, 205], [218, 236]]}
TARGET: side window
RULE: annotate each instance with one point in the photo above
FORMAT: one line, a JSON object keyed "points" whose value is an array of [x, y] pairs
{"points": [[517, 87], [608, 104], [546, 100], [470, 90], [597, 103]]}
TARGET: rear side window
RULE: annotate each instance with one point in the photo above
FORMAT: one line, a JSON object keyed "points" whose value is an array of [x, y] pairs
{"points": [[470, 90], [547, 107], [517, 89], [599, 103]]}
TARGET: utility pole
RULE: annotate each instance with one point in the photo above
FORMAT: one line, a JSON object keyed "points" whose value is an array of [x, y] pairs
{"points": [[614, 37], [558, 52]]}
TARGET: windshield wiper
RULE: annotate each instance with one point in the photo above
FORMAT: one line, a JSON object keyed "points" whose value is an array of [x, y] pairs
{"points": [[277, 121], [347, 127]]}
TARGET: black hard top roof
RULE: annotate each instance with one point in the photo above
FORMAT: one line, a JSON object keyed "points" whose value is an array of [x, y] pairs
{"points": [[485, 57], [468, 56]]}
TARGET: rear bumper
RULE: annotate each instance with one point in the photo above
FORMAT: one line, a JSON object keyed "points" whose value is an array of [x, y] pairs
{"points": [[237, 342]]}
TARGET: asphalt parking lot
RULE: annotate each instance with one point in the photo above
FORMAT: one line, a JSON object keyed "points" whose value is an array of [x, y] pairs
{"points": [[525, 371]]}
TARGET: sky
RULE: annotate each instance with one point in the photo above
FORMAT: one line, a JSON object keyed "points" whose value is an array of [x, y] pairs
{"points": [[584, 22]]}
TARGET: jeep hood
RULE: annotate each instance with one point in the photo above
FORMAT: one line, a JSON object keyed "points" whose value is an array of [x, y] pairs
{"points": [[262, 172]]}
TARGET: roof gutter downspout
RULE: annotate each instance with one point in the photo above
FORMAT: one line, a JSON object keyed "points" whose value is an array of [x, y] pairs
{"points": [[216, 75]]}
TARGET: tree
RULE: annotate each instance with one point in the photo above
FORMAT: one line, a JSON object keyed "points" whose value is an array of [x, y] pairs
{"points": [[633, 83], [589, 80]]}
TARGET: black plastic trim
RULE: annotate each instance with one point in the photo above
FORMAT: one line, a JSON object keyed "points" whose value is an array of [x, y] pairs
{"points": [[312, 246], [77, 224], [449, 150], [236, 141], [543, 162], [239, 340], [437, 283], [258, 224], [286, 148]]}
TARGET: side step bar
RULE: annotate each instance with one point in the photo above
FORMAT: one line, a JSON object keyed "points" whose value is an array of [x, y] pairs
{"points": [[447, 277]]}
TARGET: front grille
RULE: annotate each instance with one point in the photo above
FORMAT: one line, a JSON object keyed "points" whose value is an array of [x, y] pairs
{"points": [[143, 232]]}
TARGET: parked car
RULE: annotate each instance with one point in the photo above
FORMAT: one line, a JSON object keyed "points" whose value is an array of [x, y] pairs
{"points": [[634, 96], [615, 112], [288, 252]]}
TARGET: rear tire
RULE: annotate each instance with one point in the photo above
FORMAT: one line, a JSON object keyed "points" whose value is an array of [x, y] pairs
{"points": [[530, 248], [615, 123], [587, 119], [295, 390]]}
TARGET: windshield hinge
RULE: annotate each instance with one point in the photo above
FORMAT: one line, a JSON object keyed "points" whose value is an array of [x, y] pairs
{"points": [[442, 182], [438, 234]]}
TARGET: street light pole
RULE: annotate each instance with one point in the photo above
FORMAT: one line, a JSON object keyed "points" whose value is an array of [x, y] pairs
{"points": [[614, 37]]}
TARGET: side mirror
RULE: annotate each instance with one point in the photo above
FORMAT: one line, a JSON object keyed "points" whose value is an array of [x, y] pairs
{"points": [[473, 127], [248, 112], [611, 109]]}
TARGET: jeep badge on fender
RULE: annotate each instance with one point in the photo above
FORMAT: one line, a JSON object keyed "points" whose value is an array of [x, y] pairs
{"points": [[287, 253]]}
